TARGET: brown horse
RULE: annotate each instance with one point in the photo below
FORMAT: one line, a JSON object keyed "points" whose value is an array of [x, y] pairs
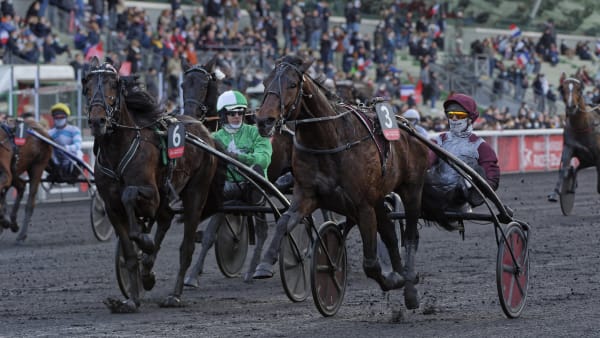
{"points": [[581, 136], [338, 166], [32, 158], [137, 181]]}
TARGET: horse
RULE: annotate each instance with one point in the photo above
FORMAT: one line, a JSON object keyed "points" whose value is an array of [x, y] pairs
{"points": [[352, 92], [340, 165], [581, 136], [200, 89], [200, 92], [137, 182], [32, 157]]}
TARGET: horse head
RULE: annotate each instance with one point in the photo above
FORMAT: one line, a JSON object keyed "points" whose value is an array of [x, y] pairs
{"points": [[102, 89], [283, 93], [572, 93], [200, 89]]}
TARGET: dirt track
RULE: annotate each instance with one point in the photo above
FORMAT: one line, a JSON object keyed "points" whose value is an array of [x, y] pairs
{"points": [[54, 284]]}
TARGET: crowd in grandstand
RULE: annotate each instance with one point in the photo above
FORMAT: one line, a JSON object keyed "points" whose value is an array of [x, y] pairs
{"points": [[342, 52]]}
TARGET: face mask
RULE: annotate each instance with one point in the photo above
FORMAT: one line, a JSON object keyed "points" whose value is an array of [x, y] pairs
{"points": [[460, 128], [232, 128], [59, 123]]}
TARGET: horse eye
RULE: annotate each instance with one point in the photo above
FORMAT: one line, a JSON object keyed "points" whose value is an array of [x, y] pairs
{"points": [[293, 85]]}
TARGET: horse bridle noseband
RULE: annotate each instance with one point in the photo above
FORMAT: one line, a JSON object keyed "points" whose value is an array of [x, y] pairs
{"points": [[111, 110], [211, 77]]}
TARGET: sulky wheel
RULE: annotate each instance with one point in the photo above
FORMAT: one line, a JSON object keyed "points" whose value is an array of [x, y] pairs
{"points": [[567, 192], [231, 246], [294, 262], [512, 276], [329, 269], [123, 274], [101, 225]]}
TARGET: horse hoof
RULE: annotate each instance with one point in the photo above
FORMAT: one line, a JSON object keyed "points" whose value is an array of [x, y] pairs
{"points": [[148, 280], [411, 296], [118, 306], [172, 301], [14, 227], [552, 198], [191, 282], [263, 271], [20, 239]]}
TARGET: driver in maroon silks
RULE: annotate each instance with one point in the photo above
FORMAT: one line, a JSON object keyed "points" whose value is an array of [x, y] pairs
{"points": [[444, 184]]}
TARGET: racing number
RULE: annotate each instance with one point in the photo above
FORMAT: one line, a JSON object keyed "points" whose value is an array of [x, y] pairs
{"points": [[389, 126], [176, 140], [388, 121], [20, 132]]}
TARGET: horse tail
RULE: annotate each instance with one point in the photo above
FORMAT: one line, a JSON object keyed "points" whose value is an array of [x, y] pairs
{"points": [[432, 208]]}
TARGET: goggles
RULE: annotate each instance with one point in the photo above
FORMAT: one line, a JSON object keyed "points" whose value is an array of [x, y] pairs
{"points": [[239, 112], [458, 114]]}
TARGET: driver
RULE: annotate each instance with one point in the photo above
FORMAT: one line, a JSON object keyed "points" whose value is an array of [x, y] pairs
{"points": [[242, 142], [444, 184], [61, 166]]}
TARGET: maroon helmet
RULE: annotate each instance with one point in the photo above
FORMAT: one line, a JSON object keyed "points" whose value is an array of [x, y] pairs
{"points": [[464, 101]]}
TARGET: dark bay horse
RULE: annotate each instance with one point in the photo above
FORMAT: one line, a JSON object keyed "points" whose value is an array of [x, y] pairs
{"points": [[353, 93], [137, 181], [200, 88], [338, 166], [200, 93], [32, 158], [581, 136]]}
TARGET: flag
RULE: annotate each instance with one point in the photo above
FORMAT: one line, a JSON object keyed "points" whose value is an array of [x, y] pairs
{"points": [[4, 36], [514, 30], [522, 58], [95, 50]]}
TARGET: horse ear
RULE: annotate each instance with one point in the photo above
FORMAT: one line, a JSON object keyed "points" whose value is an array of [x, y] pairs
{"points": [[210, 65], [94, 62], [304, 67], [185, 65]]}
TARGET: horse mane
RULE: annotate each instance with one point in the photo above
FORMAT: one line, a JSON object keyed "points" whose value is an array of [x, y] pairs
{"points": [[138, 101]]}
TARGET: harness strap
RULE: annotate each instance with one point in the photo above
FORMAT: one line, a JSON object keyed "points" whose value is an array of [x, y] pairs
{"points": [[116, 175], [338, 149]]}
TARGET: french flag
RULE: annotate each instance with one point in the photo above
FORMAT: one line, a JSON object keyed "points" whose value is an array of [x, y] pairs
{"points": [[514, 30], [522, 58]]}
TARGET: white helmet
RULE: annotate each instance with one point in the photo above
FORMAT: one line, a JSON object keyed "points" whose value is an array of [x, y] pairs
{"points": [[231, 100], [412, 114]]}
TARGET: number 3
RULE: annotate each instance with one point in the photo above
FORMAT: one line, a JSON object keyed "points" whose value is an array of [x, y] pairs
{"points": [[388, 120]]}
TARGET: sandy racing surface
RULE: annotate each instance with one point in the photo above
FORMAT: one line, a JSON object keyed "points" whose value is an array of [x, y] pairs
{"points": [[55, 283]]}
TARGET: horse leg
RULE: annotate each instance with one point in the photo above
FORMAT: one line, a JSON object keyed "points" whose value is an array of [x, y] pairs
{"points": [[131, 196], [19, 185], [131, 262], [4, 220], [412, 205], [35, 176], [208, 240], [388, 235], [261, 228], [285, 223], [565, 161], [148, 276], [367, 225]]}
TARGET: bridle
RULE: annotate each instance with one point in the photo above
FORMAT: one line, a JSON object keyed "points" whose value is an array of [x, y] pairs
{"points": [[283, 114], [209, 77], [98, 97]]}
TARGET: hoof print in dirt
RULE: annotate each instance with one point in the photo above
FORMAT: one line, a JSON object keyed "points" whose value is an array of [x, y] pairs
{"points": [[120, 306]]}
